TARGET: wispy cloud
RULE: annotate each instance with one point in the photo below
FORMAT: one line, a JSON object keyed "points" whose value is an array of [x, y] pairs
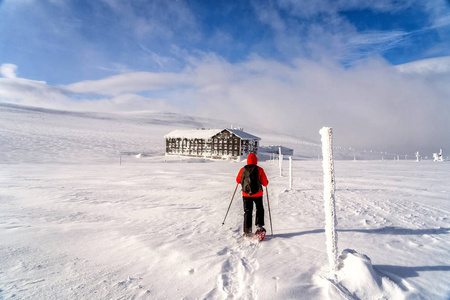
{"points": [[332, 29], [129, 82], [359, 46], [390, 38], [311, 9]]}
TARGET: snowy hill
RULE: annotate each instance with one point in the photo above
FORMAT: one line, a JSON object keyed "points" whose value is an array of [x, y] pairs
{"points": [[77, 224], [77, 137], [62, 136]]}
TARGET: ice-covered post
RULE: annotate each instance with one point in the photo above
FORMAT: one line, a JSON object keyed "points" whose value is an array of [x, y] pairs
{"points": [[279, 156], [280, 161], [290, 173], [328, 196]]}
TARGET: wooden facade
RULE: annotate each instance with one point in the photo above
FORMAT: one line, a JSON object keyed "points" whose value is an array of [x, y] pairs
{"points": [[216, 143]]}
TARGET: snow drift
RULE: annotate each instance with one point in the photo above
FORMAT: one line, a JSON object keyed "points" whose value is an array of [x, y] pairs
{"points": [[357, 279]]}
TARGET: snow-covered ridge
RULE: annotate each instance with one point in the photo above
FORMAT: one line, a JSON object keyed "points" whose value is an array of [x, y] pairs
{"points": [[44, 135], [31, 134], [148, 117]]}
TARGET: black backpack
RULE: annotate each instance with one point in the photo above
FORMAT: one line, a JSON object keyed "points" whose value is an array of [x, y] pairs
{"points": [[250, 180]]}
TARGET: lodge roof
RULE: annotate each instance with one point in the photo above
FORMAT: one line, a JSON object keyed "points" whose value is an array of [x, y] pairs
{"points": [[208, 133]]}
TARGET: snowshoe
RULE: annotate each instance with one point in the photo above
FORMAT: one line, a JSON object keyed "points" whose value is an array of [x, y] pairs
{"points": [[260, 234]]}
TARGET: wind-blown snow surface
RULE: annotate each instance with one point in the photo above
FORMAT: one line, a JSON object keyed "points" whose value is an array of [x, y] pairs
{"points": [[75, 224]]}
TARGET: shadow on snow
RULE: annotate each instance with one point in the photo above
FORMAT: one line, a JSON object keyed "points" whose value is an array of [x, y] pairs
{"points": [[383, 230], [406, 272], [400, 231]]}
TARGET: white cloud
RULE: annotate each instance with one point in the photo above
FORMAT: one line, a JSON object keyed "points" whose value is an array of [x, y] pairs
{"points": [[40, 94], [308, 9], [371, 105], [31, 92], [438, 65], [8, 70], [129, 82]]}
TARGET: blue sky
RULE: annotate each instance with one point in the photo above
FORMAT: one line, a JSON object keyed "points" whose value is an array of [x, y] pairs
{"points": [[66, 41], [359, 65]]}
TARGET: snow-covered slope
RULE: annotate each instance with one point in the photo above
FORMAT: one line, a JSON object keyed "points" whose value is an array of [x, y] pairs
{"points": [[33, 134], [77, 224], [43, 135]]}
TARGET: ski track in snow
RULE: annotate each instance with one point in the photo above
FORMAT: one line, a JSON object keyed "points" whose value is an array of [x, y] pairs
{"points": [[75, 224]]}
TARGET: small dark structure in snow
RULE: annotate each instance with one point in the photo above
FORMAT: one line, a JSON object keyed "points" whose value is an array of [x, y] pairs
{"points": [[211, 143], [276, 150]]}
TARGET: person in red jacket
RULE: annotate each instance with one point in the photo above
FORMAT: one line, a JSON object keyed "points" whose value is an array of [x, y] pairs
{"points": [[257, 197]]}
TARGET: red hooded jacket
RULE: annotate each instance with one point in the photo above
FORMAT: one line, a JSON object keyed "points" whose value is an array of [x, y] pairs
{"points": [[253, 160]]}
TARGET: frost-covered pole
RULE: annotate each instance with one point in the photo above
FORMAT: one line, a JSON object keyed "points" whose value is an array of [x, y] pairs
{"points": [[328, 196], [281, 165], [290, 173], [280, 161]]}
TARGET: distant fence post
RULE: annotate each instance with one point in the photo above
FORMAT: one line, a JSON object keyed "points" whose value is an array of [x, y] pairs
{"points": [[328, 196], [280, 161], [290, 173]]}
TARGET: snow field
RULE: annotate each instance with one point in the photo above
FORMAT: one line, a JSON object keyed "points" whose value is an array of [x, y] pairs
{"points": [[153, 229], [148, 231]]}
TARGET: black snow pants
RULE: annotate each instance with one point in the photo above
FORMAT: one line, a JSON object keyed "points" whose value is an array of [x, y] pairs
{"points": [[248, 211]]}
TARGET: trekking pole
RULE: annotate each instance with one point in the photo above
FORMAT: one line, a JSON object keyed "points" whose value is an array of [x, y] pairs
{"points": [[223, 223], [268, 205]]}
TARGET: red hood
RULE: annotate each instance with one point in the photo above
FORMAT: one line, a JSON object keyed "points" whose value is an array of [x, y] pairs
{"points": [[252, 159]]}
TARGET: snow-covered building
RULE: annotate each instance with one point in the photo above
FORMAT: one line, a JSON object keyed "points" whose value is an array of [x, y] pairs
{"points": [[438, 156], [211, 143]]}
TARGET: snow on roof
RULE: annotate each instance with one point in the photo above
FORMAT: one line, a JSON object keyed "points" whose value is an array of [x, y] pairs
{"points": [[193, 133], [243, 135], [207, 133]]}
